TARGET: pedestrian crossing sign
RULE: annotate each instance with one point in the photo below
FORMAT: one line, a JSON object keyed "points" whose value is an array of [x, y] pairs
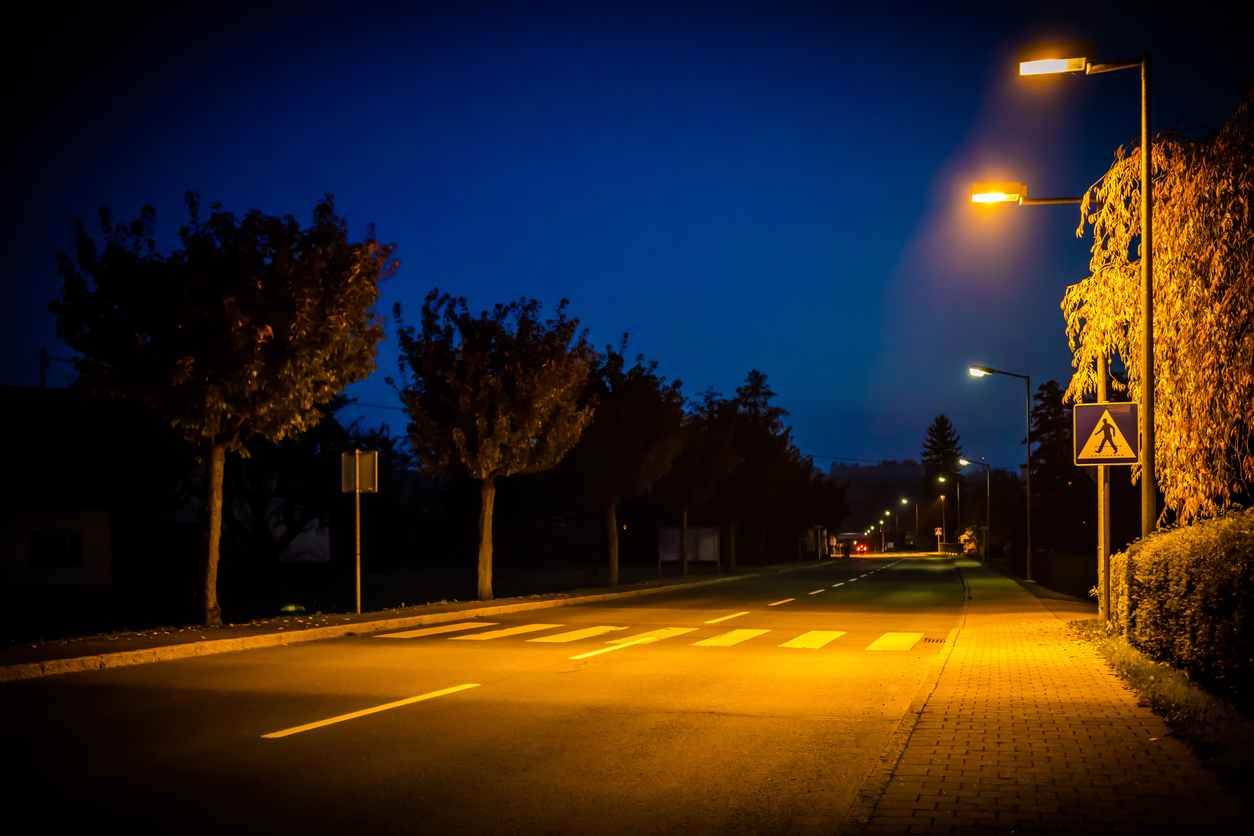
{"points": [[1105, 433]]}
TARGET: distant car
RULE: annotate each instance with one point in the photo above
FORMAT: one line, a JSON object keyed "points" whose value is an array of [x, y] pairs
{"points": [[860, 548]]}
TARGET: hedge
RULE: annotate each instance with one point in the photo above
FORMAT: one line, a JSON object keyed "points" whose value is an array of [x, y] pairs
{"points": [[1184, 597]]}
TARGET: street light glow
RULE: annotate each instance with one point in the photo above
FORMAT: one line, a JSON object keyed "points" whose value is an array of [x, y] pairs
{"points": [[998, 192], [1044, 59], [979, 371], [963, 462]]}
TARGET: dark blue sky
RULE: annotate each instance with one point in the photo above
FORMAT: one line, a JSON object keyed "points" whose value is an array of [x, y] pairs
{"points": [[772, 185]]}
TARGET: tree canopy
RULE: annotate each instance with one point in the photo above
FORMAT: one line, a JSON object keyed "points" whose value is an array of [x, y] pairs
{"points": [[1203, 307], [493, 395], [635, 435], [241, 332]]}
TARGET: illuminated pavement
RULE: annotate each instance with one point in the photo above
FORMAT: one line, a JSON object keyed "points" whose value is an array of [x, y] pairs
{"points": [[754, 706]]}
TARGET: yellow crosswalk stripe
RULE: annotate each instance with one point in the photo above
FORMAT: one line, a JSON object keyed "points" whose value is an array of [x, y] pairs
{"points": [[508, 631], [895, 641], [656, 635], [433, 631], [814, 639], [730, 638], [576, 635]]}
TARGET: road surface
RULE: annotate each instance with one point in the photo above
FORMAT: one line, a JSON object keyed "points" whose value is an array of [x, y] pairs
{"points": [[753, 706]]}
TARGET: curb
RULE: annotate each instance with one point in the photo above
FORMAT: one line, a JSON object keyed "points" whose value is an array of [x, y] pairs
{"points": [[34, 670], [860, 812]]}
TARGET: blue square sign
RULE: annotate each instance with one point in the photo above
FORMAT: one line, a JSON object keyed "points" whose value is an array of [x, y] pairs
{"points": [[1105, 433]]}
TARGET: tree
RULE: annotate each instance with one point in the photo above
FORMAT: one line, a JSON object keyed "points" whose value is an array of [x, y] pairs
{"points": [[704, 461], [1061, 493], [1203, 307], [941, 452], [493, 395], [634, 437], [241, 332]]}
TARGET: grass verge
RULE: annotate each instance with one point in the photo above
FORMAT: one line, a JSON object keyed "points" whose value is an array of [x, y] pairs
{"points": [[1217, 732]]}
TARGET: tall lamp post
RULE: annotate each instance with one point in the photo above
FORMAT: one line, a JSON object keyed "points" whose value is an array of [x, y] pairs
{"points": [[988, 500], [916, 520], [1073, 57], [981, 371]]}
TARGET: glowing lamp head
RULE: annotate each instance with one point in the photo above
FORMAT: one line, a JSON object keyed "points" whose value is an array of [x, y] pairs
{"points": [[940, 478], [1046, 59], [979, 371], [963, 461], [998, 192], [904, 502]]}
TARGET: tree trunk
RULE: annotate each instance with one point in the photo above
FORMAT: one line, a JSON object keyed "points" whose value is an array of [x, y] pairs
{"points": [[731, 545], [215, 461], [487, 496], [683, 541], [611, 528]]}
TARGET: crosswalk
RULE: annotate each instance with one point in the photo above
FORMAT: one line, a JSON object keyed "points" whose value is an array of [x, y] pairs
{"points": [[810, 640]]}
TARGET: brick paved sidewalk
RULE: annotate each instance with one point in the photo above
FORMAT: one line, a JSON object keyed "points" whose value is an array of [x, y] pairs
{"points": [[1029, 731]]}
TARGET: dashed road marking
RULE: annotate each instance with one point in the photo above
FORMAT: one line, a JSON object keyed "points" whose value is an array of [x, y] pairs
{"points": [[816, 592], [725, 617], [814, 639], [365, 711], [663, 633], [785, 601]]}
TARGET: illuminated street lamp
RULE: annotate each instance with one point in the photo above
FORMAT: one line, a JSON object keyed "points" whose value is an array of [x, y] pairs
{"points": [[957, 499], [916, 520], [1074, 57], [1013, 193], [981, 371], [988, 499]]}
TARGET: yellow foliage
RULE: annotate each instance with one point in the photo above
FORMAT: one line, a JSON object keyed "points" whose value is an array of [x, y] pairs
{"points": [[1203, 307]]}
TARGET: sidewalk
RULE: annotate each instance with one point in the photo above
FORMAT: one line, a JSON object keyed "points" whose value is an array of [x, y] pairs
{"points": [[1029, 731]]}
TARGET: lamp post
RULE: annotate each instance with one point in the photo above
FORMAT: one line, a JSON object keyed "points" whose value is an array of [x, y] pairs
{"points": [[916, 520], [988, 500], [1074, 58], [943, 524], [981, 371]]}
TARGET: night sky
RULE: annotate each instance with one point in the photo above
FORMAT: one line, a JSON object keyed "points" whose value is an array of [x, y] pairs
{"points": [[773, 185]]}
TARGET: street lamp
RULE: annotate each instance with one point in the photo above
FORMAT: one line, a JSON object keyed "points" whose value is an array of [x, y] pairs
{"points": [[1013, 193], [1073, 57], [981, 371], [916, 520], [988, 500]]}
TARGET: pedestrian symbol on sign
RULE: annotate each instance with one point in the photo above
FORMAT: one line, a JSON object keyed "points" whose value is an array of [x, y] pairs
{"points": [[1102, 434]]}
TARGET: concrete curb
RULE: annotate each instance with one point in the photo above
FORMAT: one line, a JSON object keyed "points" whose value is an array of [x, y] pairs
{"points": [[34, 670], [860, 812]]}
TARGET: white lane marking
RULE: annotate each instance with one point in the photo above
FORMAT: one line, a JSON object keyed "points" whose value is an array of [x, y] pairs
{"points": [[663, 633], [851, 580], [725, 617], [365, 711], [814, 639], [432, 631], [508, 631], [815, 592], [842, 583], [895, 641], [730, 638], [575, 635], [785, 601], [626, 643]]}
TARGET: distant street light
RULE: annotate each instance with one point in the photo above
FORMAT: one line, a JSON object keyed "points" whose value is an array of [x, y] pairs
{"points": [[957, 498], [988, 500], [981, 371], [916, 520]]}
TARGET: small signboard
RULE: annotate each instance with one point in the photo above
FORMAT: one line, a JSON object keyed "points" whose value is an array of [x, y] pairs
{"points": [[359, 471], [938, 531], [1105, 433]]}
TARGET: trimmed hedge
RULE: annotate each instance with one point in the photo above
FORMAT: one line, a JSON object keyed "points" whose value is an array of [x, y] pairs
{"points": [[1185, 596]]}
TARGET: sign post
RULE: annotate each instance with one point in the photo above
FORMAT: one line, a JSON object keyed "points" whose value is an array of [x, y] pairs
{"points": [[359, 473], [1104, 434]]}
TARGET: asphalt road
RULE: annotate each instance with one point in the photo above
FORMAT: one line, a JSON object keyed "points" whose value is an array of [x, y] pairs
{"points": [[755, 706]]}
